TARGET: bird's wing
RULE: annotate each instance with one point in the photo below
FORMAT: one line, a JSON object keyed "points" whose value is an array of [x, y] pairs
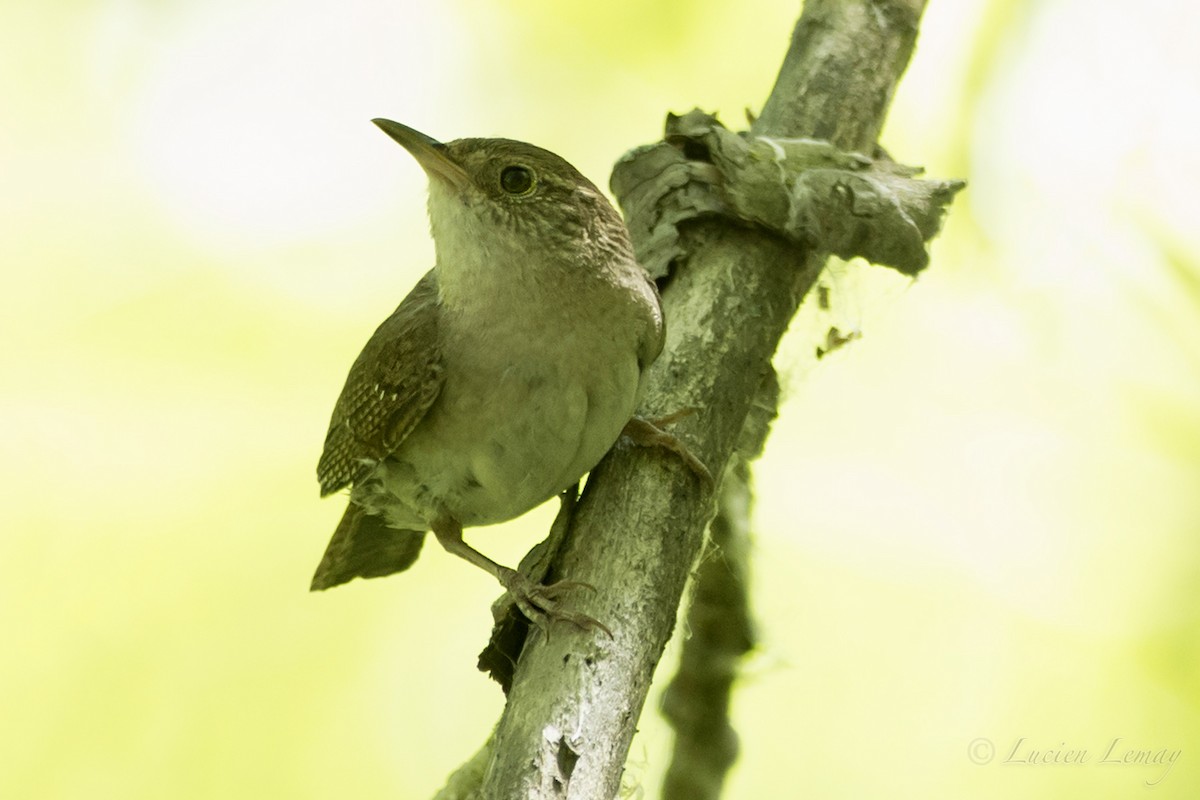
{"points": [[392, 384]]}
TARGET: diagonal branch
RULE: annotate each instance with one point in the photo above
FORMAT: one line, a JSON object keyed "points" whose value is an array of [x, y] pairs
{"points": [[639, 526]]}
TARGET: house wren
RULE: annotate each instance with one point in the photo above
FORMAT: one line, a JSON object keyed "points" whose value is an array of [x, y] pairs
{"points": [[507, 372]]}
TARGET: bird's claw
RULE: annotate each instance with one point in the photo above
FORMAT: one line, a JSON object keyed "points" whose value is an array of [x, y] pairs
{"points": [[540, 603], [647, 433]]}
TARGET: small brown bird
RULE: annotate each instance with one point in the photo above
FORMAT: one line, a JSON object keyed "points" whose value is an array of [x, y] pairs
{"points": [[507, 372]]}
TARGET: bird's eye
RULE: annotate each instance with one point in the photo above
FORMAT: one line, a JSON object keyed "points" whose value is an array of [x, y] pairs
{"points": [[516, 180]]}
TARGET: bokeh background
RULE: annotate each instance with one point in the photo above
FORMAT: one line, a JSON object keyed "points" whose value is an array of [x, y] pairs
{"points": [[978, 525]]}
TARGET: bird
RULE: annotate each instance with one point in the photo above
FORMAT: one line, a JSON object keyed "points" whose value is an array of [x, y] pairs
{"points": [[505, 374]]}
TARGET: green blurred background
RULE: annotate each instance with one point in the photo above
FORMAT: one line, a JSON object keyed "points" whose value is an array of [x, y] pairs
{"points": [[980, 522]]}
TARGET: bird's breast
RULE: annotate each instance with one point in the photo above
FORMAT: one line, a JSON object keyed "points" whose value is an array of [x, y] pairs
{"points": [[533, 399]]}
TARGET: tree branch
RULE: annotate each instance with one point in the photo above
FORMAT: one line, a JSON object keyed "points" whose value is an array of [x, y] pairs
{"points": [[841, 70], [639, 526], [720, 628]]}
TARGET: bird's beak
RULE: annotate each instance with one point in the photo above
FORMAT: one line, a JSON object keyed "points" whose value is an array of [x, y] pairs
{"points": [[431, 154]]}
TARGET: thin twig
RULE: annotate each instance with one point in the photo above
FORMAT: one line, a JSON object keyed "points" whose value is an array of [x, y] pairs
{"points": [[720, 629]]}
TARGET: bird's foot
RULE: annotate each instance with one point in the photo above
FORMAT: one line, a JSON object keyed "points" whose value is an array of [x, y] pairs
{"points": [[648, 433], [540, 603]]}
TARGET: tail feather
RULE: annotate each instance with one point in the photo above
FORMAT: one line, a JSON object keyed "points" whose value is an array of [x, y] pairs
{"points": [[363, 546]]}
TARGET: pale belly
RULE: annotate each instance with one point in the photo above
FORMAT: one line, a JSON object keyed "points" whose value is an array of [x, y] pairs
{"points": [[508, 432]]}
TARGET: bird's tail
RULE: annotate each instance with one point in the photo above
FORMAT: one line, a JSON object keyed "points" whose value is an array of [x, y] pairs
{"points": [[363, 546]]}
